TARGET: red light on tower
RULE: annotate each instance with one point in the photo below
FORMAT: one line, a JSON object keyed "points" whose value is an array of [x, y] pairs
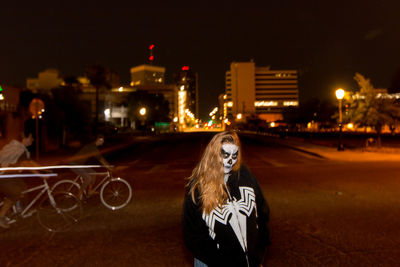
{"points": [[185, 68], [151, 57]]}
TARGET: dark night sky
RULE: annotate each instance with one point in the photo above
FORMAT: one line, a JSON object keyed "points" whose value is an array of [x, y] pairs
{"points": [[327, 41]]}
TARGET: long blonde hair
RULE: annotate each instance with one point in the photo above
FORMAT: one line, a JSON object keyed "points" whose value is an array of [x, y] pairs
{"points": [[208, 176]]}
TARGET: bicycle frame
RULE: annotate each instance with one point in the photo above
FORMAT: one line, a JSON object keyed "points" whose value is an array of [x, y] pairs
{"points": [[26, 212], [45, 187], [107, 176], [115, 193]]}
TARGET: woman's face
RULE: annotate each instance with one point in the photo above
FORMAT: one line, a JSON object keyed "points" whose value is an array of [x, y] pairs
{"points": [[230, 154]]}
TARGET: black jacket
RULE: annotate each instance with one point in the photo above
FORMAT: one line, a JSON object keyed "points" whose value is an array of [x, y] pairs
{"points": [[229, 233]]}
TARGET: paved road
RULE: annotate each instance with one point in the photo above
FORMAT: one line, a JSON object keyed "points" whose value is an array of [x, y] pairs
{"points": [[323, 213]]}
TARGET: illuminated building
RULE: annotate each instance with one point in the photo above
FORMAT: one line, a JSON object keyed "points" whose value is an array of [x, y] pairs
{"points": [[147, 75], [181, 109], [189, 80], [260, 90], [222, 109]]}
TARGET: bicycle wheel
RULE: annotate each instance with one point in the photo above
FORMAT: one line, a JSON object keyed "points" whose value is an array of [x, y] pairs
{"points": [[66, 186], [115, 193], [60, 215]]}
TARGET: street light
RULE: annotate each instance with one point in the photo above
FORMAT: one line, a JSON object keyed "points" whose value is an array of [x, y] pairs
{"points": [[143, 117], [142, 111], [339, 96]]}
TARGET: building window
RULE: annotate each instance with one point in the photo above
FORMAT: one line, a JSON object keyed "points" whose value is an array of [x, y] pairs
{"points": [[265, 103], [290, 103]]}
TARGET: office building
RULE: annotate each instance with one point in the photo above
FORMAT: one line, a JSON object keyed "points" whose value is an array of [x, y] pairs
{"points": [[147, 75], [187, 81], [259, 90]]}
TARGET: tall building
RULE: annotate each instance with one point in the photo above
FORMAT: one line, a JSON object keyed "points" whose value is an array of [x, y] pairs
{"points": [[187, 80], [259, 90], [147, 75]]}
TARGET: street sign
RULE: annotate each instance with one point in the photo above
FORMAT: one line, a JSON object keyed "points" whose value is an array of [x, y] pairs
{"points": [[36, 107]]}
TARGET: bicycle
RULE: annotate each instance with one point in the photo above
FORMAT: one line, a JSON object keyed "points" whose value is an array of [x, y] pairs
{"points": [[55, 212], [115, 193]]}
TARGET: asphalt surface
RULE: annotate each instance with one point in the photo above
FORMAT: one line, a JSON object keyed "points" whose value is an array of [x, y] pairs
{"points": [[324, 212]]}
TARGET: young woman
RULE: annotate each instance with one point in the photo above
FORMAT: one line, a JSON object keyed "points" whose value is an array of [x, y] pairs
{"points": [[225, 215]]}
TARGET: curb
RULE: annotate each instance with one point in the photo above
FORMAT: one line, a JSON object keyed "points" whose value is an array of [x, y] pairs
{"points": [[285, 144], [303, 150]]}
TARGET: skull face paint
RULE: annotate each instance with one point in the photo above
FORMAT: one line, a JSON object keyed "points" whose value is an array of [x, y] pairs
{"points": [[230, 154]]}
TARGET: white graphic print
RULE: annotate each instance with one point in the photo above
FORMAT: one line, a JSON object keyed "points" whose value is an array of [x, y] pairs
{"points": [[239, 210]]}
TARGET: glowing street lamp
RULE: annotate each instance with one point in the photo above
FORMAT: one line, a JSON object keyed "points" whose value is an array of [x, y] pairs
{"points": [[339, 96], [142, 118], [339, 93], [142, 111]]}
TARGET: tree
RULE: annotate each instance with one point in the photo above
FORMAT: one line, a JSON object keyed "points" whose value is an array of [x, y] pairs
{"points": [[371, 107], [69, 111], [312, 110], [157, 108], [99, 78]]}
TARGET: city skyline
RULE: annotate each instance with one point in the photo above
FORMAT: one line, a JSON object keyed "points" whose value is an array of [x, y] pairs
{"points": [[327, 44]]}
